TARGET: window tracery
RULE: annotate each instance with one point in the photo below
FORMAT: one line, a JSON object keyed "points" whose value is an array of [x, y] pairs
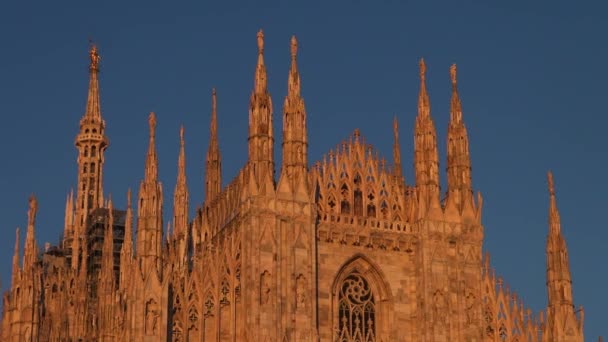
{"points": [[357, 310]]}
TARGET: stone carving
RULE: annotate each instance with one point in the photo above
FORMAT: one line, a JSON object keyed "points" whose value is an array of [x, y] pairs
{"points": [[439, 307], [301, 292], [265, 288], [152, 315]]}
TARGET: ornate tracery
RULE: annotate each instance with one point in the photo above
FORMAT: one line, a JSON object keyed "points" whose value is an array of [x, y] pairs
{"points": [[356, 310]]}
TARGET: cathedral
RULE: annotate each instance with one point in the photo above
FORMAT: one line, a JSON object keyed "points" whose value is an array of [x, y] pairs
{"points": [[341, 249]]}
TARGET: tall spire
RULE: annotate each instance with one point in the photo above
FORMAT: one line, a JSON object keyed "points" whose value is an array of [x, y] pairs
{"points": [[127, 245], [397, 151], [93, 110], [151, 172], [68, 227], [455, 105], [150, 217], [424, 105], [261, 136], [295, 135], [107, 257], [261, 81], [180, 202], [126, 250], [426, 160], [213, 171], [554, 220], [460, 192], [293, 84], [91, 143], [31, 249], [560, 313]]}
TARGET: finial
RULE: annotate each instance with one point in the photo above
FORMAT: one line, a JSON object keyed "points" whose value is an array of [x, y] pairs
{"points": [[129, 198], [94, 56], [356, 133], [152, 123], [422, 69], [550, 181], [453, 74], [260, 42], [294, 47]]}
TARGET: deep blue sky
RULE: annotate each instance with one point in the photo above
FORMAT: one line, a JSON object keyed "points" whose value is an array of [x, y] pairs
{"points": [[532, 78]]}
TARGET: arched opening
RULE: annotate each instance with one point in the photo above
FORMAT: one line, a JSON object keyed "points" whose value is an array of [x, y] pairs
{"points": [[356, 309], [362, 303], [93, 151]]}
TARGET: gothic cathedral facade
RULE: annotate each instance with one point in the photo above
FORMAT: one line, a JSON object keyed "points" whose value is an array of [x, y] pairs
{"points": [[338, 250]]}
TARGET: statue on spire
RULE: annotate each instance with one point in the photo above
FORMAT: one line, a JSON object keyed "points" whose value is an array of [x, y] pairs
{"points": [[33, 208], [294, 47], [550, 182], [181, 135], [152, 123], [94, 57], [453, 74], [260, 42], [422, 69]]}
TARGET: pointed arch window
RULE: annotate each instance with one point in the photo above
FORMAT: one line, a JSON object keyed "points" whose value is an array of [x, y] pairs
{"points": [[356, 310]]}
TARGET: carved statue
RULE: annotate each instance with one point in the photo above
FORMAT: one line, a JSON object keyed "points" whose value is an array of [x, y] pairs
{"points": [[261, 41], [94, 57], [453, 74], [301, 292], [439, 306], [422, 69], [265, 288], [152, 314], [469, 304]]}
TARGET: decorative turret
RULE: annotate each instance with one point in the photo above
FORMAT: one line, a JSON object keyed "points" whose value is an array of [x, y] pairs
{"points": [[91, 143], [213, 171], [261, 136], [150, 225], [562, 322], [180, 203], [460, 193], [295, 140], [426, 161]]}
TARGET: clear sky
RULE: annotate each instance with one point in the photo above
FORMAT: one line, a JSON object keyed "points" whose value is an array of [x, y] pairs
{"points": [[532, 79]]}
